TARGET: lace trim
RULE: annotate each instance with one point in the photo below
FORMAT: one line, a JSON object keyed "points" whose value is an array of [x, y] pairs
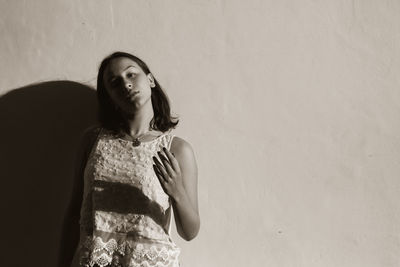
{"points": [[153, 257], [112, 253], [141, 225]]}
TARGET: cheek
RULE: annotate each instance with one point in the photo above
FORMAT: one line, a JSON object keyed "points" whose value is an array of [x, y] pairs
{"points": [[143, 83], [149, 92], [145, 87]]}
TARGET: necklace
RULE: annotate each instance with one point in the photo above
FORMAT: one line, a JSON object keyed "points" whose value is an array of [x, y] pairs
{"points": [[136, 140]]}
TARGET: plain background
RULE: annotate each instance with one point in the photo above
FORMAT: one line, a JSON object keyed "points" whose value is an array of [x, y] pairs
{"points": [[292, 108]]}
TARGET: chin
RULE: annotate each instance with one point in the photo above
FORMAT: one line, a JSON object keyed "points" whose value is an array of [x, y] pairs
{"points": [[137, 104]]}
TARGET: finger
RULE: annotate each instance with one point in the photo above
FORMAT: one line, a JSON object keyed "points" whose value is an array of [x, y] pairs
{"points": [[163, 157], [172, 160], [160, 178], [158, 174], [156, 171], [161, 168], [157, 161], [167, 164]]}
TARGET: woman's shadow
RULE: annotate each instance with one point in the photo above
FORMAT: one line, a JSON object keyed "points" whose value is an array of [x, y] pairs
{"points": [[41, 125]]}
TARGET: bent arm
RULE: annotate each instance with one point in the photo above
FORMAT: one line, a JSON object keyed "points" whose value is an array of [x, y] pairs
{"points": [[185, 205], [70, 229]]}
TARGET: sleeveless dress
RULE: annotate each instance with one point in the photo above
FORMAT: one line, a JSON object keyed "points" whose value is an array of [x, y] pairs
{"points": [[125, 214]]}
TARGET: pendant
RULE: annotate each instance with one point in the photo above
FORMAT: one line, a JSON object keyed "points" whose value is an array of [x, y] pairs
{"points": [[136, 142]]}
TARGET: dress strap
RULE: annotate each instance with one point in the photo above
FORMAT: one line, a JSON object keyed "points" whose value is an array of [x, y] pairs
{"points": [[170, 137]]}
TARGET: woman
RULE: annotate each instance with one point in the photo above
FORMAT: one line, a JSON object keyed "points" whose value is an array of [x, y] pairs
{"points": [[132, 172]]}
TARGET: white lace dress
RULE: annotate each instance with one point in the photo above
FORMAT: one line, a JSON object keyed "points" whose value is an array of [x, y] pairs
{"points": [[125, 214]]}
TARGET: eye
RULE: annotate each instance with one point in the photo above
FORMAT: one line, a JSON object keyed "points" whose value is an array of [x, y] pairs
{"points": [[130, 74], [115, 82]]}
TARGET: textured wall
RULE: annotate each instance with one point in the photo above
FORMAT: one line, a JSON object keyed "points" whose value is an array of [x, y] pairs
{"points": [[292, 107]]}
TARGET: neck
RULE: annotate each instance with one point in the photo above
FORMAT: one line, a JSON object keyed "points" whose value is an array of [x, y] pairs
{"points": [[139, 123]]}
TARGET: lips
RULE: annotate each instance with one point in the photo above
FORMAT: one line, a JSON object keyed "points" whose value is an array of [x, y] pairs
{"points": [[132, 94]]}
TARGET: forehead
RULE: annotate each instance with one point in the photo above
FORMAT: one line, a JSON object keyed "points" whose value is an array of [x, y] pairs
{"points": [[118, 65]]}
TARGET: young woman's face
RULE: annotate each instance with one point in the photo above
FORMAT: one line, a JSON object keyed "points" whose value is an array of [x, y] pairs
{"points": [[127, 84]]}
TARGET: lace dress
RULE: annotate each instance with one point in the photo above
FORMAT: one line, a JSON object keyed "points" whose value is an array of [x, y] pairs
{"points": [[125, 214]]}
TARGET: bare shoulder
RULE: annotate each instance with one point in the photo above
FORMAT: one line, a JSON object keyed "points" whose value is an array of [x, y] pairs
{"points": [[184, 153], [180, 146], [91, 130], [90, 133], [88, 137]]}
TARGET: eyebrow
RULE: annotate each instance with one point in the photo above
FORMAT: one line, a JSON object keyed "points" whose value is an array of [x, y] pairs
{"points": [[112, 76], [129, 67]]}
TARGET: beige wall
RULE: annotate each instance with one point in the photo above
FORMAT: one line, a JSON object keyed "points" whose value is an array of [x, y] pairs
{"points": [[292, 107]]}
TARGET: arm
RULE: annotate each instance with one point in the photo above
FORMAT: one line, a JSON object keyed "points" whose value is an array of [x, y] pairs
{"points": [[178, 176], [70, 230]]}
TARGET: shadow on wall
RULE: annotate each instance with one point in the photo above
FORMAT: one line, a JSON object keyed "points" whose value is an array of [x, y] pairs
{"points": [[41, 125]]}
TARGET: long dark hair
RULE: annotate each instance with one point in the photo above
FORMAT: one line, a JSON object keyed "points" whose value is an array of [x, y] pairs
{"points": [[110, 118]]}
